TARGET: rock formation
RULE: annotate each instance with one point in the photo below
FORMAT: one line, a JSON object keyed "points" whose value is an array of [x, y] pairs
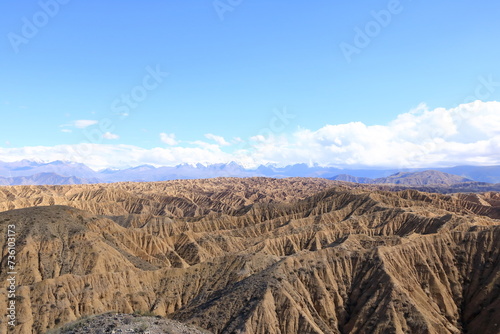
{"points": [[256, 255]]}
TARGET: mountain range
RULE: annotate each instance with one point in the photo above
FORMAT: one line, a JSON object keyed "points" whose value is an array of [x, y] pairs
{"points": [[424, 178], [60, 172], [45, 179]]}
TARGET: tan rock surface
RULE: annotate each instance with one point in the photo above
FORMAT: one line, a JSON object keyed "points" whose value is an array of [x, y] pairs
{"points": [[256, 256]]}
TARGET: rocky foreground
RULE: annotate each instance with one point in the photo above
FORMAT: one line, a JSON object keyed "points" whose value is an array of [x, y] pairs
{"points": [[255, 255], [126, 323]]}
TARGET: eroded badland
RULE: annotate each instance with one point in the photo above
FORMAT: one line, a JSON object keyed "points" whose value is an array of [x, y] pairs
{"points": [[255, 255]]}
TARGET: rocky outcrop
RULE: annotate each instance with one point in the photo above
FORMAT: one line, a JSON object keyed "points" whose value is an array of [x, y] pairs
{"points": [[126, 323]]}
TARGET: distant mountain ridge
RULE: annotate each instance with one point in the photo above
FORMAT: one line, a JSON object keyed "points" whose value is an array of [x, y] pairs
{"points": [[45, 179], [61, 172], [350, 178], [62, 168], [424, 178]]}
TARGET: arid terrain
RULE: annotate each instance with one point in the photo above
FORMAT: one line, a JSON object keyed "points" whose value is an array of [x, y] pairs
{"points": [[255, 255], [126, 323]]}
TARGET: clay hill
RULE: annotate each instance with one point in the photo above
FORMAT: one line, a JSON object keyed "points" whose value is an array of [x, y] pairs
{"points": [[255, 255]]}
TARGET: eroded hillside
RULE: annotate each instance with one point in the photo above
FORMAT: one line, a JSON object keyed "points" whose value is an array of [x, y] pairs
{"points": [[256, 256]]}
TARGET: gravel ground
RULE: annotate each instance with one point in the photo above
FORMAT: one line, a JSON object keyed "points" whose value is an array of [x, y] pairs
{"points": [[126, 323]]}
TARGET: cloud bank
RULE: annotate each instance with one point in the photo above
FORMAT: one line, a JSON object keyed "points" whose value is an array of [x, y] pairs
{"points": [[466, 135]]}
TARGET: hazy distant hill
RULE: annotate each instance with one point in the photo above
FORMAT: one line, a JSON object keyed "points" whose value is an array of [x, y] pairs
{"points": [[425, 178], [44, 179], [63, 168], [428, 177], [490, 174], [350, 178]]}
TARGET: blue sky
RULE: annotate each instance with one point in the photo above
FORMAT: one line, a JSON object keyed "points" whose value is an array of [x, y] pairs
{"points": [[233, 66]]}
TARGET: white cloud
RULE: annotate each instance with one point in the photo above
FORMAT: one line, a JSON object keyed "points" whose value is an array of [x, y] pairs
{"points": [[206, 146], [467, 134], [83, 123], [66, 130], [168, 138], [111, 136], [79, 124], [218, 139], [98, 156]]}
